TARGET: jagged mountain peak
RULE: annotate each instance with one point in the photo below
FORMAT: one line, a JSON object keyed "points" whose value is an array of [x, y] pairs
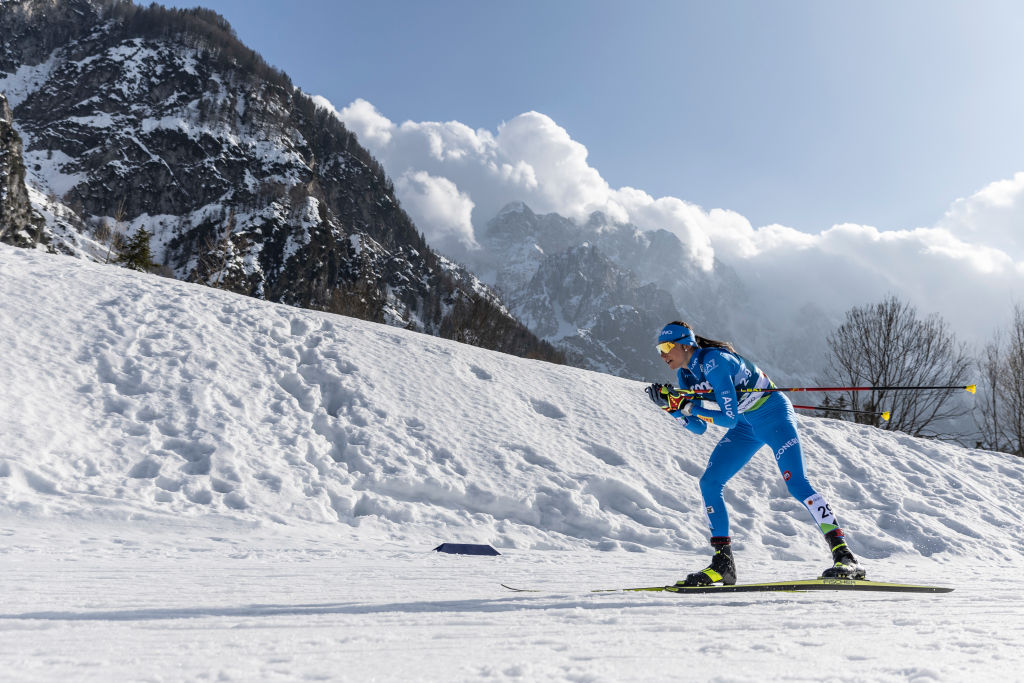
{"points": [[516, 207], [599, 313], [581, 286]]}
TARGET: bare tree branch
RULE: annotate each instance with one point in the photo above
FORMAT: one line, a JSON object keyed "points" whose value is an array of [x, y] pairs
{"points": [[887, 344]]}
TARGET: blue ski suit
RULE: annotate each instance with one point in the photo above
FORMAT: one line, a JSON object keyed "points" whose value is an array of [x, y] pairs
{"points": [[754, 419]]}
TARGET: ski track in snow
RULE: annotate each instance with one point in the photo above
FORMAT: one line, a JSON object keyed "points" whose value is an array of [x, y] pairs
{"points": [[199, 485]]}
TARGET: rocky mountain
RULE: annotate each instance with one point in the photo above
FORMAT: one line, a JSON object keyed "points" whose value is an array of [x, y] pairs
{"points": [[600, 290], [151, 118], [596, 311], [20, 225]]}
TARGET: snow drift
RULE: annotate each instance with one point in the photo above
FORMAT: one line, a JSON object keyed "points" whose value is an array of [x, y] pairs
{"points": [[129, 394]]}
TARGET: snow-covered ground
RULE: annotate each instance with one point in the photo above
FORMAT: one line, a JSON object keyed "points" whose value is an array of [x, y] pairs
{"points": [[196, 485]]}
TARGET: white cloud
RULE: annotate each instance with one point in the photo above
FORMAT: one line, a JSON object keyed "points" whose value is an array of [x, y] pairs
{"points": [[438, 202], [993, 215], [969, 267], [364, 120], [530, 159]]}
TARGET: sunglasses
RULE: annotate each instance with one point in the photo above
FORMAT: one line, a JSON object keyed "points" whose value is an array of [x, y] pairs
{"points": [[665, 347]]}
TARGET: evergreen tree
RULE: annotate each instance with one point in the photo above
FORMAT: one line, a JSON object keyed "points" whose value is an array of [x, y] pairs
{"points": [[136, 254], [825, 409]]}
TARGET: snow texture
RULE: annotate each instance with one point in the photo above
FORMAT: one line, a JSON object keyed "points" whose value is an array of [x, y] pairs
{"points": [[196, 485]]}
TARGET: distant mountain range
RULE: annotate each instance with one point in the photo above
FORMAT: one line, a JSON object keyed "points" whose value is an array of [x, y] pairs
{"points": [[577, 286], [600, 290]]}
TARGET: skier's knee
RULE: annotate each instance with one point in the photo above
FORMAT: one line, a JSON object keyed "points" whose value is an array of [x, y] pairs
{"points": [[711, 487], [797, 485]]}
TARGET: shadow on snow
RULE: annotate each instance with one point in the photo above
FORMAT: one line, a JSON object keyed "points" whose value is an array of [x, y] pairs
{"points": [[512, 604]]}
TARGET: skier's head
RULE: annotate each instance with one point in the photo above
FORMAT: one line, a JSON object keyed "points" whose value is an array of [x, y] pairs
{"points": [[676, 344], [676, 332]]}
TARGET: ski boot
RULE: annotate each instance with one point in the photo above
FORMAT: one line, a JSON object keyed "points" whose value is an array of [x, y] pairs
{"points": [[844, 564], [722, 569]]}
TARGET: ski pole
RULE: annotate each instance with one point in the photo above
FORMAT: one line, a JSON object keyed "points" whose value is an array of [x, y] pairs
{"points": [[885, 416], [970, 388]]}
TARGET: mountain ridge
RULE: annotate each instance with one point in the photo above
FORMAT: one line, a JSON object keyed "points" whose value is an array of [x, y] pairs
{"points": [[649, 280], [161, 119]]}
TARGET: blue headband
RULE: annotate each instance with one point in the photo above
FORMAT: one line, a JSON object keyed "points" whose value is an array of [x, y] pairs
{"points": [[678, 334]]}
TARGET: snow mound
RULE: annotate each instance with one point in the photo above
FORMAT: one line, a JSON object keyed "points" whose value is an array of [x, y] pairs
{"points": [[129, 396]]}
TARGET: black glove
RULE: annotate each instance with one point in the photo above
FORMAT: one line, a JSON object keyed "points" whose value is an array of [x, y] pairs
{"points": [[669, 399], [657, 392]]}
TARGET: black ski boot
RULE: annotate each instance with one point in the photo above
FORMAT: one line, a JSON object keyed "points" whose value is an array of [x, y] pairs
{"points": [[844, 564], [722, 569]]}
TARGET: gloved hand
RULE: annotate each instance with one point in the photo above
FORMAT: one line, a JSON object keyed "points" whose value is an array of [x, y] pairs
{"points": [[695, 424], [656, 392], [672, 400]]}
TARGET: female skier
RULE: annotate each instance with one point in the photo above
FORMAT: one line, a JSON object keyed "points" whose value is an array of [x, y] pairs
{"points": [[754, 418]]}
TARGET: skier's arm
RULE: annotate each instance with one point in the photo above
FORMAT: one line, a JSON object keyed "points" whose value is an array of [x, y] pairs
{"points": [[677, 404], [719, 376]]}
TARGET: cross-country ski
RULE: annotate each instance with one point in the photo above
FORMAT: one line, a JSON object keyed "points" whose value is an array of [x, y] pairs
{"points": [[773, 587]]}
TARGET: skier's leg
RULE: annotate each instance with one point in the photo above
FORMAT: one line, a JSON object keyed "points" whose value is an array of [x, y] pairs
{"points": [[775, 423], [777, 426], [729, 456]]}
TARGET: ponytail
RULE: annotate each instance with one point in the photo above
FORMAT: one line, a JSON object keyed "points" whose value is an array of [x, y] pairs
{"points": [[704, 342]]}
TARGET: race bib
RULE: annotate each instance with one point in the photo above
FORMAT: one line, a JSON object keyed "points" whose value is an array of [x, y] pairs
{"points": [[820, 510]]}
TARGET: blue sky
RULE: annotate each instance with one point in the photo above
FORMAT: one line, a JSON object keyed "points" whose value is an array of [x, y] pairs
{"points": [[800, 113]]}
